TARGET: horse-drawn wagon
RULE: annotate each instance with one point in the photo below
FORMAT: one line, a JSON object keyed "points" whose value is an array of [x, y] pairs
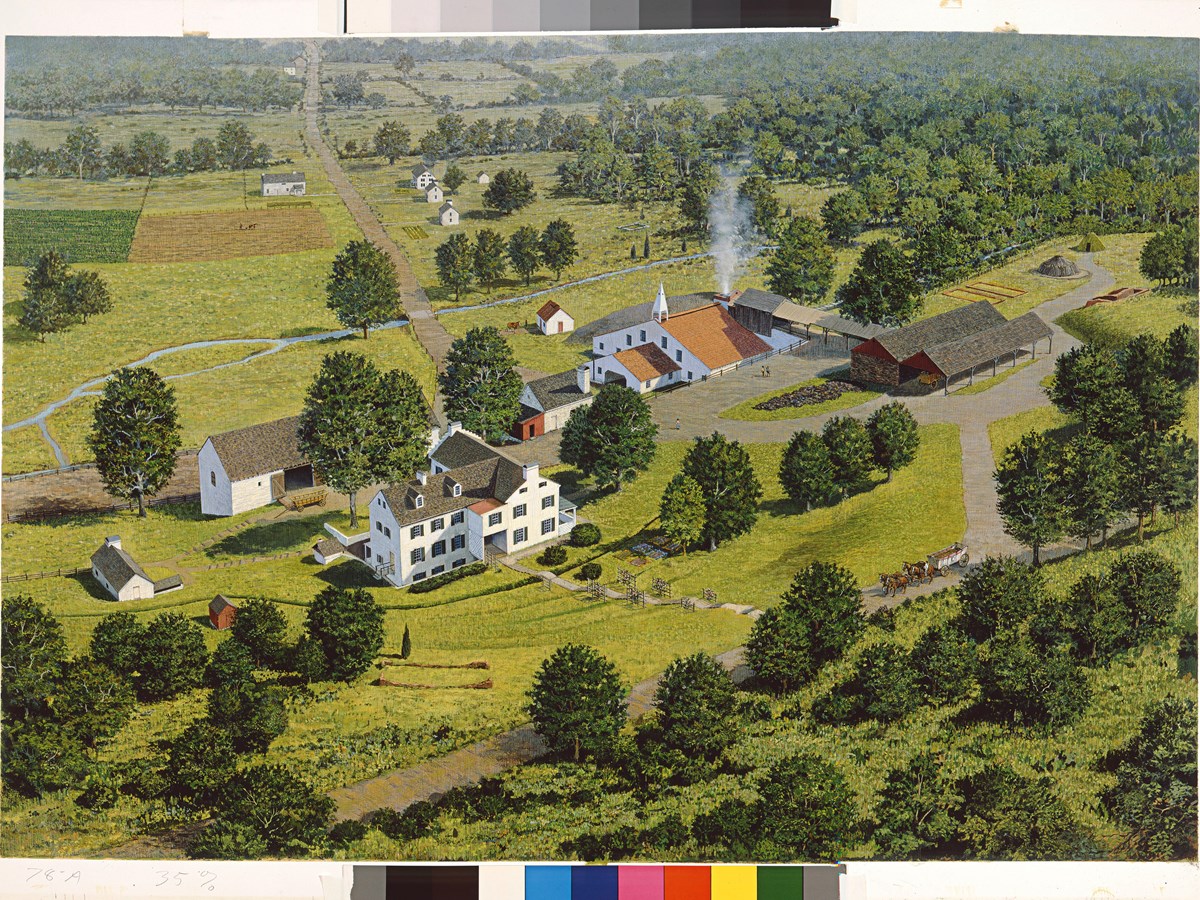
{"points": [[954, 555]]}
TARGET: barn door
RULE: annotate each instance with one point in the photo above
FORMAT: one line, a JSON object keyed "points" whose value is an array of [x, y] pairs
{"points": [[277, 486]]}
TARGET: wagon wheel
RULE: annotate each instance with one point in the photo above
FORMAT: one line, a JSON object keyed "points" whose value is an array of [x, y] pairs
{"points": [[963, 560], [321, 502], [942, 569]]}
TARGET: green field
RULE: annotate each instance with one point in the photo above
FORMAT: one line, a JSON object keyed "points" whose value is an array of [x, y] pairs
{"points": [[746, 412], [79, 235]]}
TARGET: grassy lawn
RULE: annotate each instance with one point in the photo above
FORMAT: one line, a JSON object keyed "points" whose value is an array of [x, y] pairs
{"points": [[859, 533], [746, 412], [26, 451], [1113, 324], [1007, 431], [987, 382]]}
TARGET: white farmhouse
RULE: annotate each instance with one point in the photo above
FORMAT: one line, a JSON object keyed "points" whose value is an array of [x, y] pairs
{"points": [[475, 501], [283, 184], [483, 178], [546, 403], [433, 193], [447, 214], [123, 578], [553, 319], [251, 467], [421, 177]]}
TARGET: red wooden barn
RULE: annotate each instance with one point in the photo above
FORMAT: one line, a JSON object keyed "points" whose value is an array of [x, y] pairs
{"points": [[221, 612]]}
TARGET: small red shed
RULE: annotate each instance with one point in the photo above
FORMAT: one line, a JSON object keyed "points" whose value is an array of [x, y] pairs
{"points": [[221, 612]]}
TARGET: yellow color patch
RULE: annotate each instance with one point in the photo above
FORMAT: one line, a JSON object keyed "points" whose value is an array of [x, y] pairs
{"points": [[734, 883]]}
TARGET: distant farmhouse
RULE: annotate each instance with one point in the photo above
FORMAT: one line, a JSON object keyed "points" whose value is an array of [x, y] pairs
{"points": [[675, 348], [123, 578], [283, 184], [553, 319], [297, 66], [447, 214], [421, 177], [546, 403], [475, 501], [433, 193], [947, 346], [251, 467], [483, 178]]}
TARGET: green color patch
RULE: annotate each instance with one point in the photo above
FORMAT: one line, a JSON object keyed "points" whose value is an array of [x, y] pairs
{"points": [[780, 882], [79, 235]]}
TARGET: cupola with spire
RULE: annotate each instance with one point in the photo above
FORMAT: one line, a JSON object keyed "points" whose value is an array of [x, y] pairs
{"points": [[660, 305]]}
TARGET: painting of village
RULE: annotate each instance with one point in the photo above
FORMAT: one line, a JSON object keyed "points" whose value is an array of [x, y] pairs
{"points": [[758, 447]]}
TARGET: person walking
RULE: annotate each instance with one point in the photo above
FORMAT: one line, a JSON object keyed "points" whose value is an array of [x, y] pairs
{"points": [[678, 425]]}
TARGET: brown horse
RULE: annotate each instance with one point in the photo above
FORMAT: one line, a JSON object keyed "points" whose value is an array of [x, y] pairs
{"points": [[920, 572], [894, 582]]}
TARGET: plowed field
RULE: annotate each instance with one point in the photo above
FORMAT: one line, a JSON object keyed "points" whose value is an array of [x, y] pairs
{"points": [[197, 237]]}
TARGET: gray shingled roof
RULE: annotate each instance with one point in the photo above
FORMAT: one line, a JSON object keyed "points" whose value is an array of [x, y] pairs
{"points": [[477, 481], [960, 356], [955, 325], [218, 603], [756, 299], [282, 177], [166, 584], [328, 546], [117, 566], [462, 449], [420, 169], [557, 390], [449, 204], [260, 449], [635, 315]]}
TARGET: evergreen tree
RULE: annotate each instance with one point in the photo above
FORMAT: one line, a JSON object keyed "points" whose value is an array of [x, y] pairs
{"points": [[480, 386], [646, 248], [730, 487], [894, 438], [1182, 363], [681, 512], [406, 644], [455, 259], [347, 625], [577, 702], [1090, 478], [695, 700], [802, 265], [509, 191], [489, 262], [849, 446], [1029, 486], [558, 247], [135, 434], [612, 439], [362, 289], [882, 288], [806, 472], [523, 253]]}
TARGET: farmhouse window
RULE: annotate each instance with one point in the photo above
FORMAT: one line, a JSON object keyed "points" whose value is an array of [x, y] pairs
{"points": [[387, 532], [417, 555], [663, 340], [642, 335], [629, 340], [212, 476], [378, 558], [457, 518], [437, 570], [420, 576], [601, 345], [520, 535], [519, 511], [495, 518], [457, 563], [439, 548], [438, 525], [541, 484], [416, 531], [689, 376], [547, 526], [678, 356], [647, 384], [458, 542], [523, 491], [458, 490], [547, 502], [419, 502], [379, 526]]}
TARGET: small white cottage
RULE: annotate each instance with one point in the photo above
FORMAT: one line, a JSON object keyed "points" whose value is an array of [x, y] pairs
{"points": [[483, 178], [553, 319], [283, 184], [447, 214], [251, 467], [123, 578], [421, 177], [433, 193]]}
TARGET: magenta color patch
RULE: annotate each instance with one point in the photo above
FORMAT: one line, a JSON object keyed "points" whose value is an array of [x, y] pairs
{"points": [[640, 882]]}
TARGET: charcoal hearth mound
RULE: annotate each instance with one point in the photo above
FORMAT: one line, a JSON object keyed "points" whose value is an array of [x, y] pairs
{"points": [[807, 395]]}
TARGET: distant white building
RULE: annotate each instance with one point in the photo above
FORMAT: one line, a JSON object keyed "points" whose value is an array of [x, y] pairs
{"points": [[251, 467], [447, 214], [553, 319], [546, 403], [283, 184], [483, 178], [421, 177], [123, 578], [475, 500], [433, 193]]}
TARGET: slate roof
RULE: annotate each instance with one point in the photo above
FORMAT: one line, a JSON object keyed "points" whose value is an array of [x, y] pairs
{"points": [[762, 300], [557, 390], [492, 479], [635, 315], [168, 583], [983, 347], [549, 309], [117, 566], [461, 449], [955, 325], [420, 169], [282, 177], [220, 601], [712, 336], [449, 204], [260, 449], [433, 186], [328, 546], [646, 362]]}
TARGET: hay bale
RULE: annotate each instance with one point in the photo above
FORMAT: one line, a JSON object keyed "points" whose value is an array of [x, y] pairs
{"points": [[1058, 267], [1091, 244]]}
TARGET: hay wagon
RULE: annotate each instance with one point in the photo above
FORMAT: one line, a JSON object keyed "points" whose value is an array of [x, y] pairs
{"points": [[954, 555]]}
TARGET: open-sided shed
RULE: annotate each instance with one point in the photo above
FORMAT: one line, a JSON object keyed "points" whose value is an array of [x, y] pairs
{"points": [[949, 361], [881, 359]]}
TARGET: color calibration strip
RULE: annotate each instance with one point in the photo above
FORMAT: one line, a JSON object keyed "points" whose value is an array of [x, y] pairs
{"points": [[603, 15], [584, 882]]}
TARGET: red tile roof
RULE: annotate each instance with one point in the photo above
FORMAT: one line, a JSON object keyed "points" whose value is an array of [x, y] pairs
{"points": [[646, 362], [548, 310], [713, 337]]}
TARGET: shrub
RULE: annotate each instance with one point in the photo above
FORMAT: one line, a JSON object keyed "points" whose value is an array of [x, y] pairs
{"points": [[732, 824], [407, 825], [585, 534], [100, 793], [553, 556], [437, 581], [590, 571], [228, 840], [346, 832]]}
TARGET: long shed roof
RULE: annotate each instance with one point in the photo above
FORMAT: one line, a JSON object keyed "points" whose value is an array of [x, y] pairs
{"points": [[955, 357], [955, 325]]}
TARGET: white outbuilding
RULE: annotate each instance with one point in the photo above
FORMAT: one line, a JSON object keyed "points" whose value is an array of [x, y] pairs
{"points": [[252, 467]]}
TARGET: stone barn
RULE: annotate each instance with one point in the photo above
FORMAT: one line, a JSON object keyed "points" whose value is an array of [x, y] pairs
{"points": [[251, 467]]}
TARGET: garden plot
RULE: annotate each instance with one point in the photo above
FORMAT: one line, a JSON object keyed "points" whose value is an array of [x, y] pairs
{"points": [[228, 235], [79, 235]]}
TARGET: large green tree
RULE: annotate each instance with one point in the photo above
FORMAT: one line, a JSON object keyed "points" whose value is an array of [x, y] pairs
{"points": [[558, 247], [805, 470], [261, 627], [362, 289], [360, 426], [882, 288], [135, 434], [1029, 486], [913, 814], [681, 511], [480, 385], [808, 809], [91, 700], [523, 252], [85, 294], [455, 261], [44, 307], [266, 806], [611, 439], [115, 640], [1090, 477], [347, 625], [392, 140], [850, 453], [577, 702], [171, 657], [490, 262], [999, 592], [763, 202], [844, 215], [33, 652], [802, 265], [1011, 817], [509, 190], [729, 484], [894, 438], [695, 701]]}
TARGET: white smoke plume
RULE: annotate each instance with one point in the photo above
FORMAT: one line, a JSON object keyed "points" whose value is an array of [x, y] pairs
{"points": [[731, 226]]}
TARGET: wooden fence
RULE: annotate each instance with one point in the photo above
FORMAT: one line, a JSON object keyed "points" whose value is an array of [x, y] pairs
{"points": [[41, 473], [116, 507], [57, 573]]}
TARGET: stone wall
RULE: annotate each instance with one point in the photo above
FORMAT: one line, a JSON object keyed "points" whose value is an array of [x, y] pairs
{"points": [[864, 367]]}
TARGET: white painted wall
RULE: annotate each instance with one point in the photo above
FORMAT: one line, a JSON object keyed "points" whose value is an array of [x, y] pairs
{"points": [[252, 493], [628, 338], [215, 500]]}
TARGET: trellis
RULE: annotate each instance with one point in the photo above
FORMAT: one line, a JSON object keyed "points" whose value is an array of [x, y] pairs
{"points": [[636, 596], [710, 596], [662, 588]]}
